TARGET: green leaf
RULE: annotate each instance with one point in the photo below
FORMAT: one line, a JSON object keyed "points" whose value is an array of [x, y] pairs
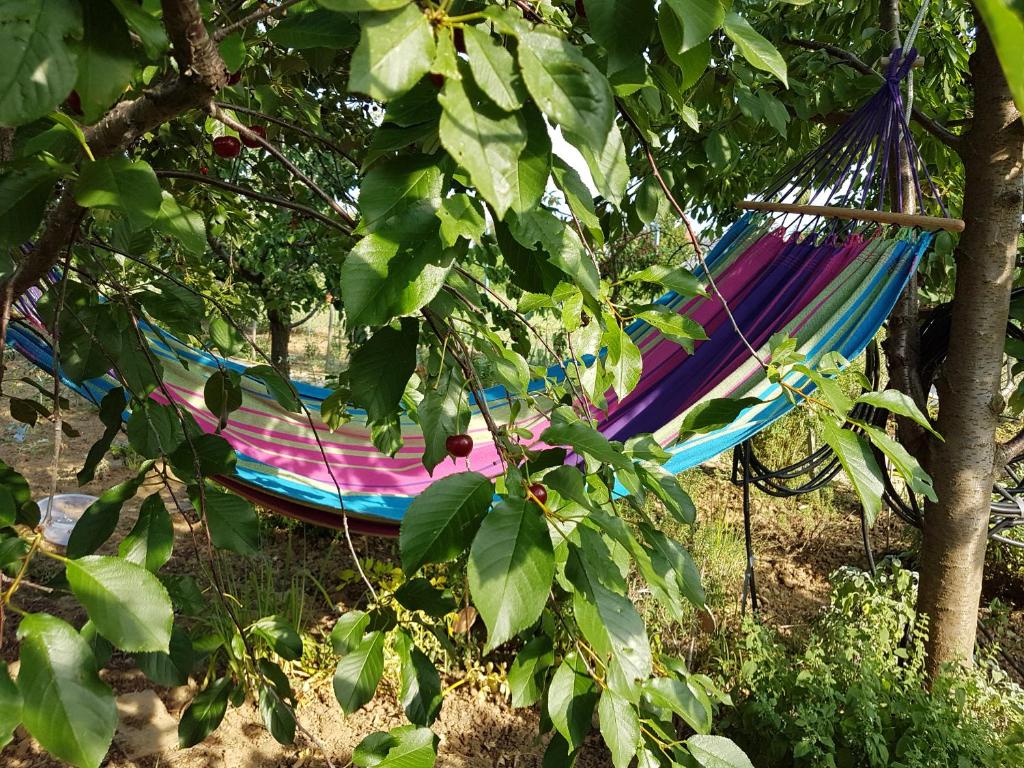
{"points": [[105, 58], [461, 216], [669, 490], [280, 635], [391, 274], [348, 632], [204, 713], [1004, 21], [315, 29], [442, 521], [670, 559], [151, 540], [173, 305], [25, 189], [65, 705], [358, 673], [232, 521], [225, 337], [623, 361], [128, 604], [121, 184], [381, 367], [222, 394], [483, 139], [680, 698], [709, 415], [525, 675], [534, 165], [909, 468], [393, 185], [572, 697], [585, 440], [560, 245], [511, 568], [620, 727], [154, 429], [442, 412], [717, 752], [148, 27], [37, 66], [622, 27], [232, 50], [403, 747], [183, 224], [280, 388], [606, 161], [357, 6], [494, 69], [681, 281], [567, 87], [10, 706], [859, 464], [900, 404], [421, 683], [277, 716], [396, 48], [420, 595], [100, 518], [754, 47], [699, 19], [172, 668]]}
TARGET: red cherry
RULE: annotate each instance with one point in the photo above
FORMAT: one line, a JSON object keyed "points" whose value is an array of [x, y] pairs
{"points": [[459, 38], [204, 170], [459, 446], [74, 103], [260, 131], [581, 10], [539, 492], [227, 146], [436, 79], [234, 77]]}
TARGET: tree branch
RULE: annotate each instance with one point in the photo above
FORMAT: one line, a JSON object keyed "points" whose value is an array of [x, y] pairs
{"points": [[940, 132], [264, 11], [219, 114], [200, 75], [261, 196], [290, 126]]}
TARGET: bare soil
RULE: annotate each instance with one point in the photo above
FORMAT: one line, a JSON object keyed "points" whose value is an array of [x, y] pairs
{"points": [[796, 550]]}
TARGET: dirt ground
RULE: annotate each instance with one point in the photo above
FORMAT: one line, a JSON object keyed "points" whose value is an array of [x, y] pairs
{"points": [[796, 550]]}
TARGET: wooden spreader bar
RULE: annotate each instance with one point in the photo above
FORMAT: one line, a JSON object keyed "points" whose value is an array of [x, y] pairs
{"points": [[858, 214]]}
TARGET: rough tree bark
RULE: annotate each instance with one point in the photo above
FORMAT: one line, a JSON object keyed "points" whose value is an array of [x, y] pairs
{"points": [[280, 337], [956, 528]]}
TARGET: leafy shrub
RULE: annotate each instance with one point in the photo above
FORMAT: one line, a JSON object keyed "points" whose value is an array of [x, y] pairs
{"points": [[853, 693]]}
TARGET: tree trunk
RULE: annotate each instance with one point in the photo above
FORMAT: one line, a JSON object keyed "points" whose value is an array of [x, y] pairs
{"points": [[280, 337], [956, 528]]}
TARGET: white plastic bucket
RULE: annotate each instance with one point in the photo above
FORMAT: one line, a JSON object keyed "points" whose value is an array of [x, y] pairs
{"points": [[59, 515]]}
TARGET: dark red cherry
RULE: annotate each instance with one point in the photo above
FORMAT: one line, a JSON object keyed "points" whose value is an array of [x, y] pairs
{"points": [[204, 170], [234, 77], [436, 79], [260, 131], [459, 446], [74, 103], [227, 146], [539, 492], [581, 10], [459, 39]]}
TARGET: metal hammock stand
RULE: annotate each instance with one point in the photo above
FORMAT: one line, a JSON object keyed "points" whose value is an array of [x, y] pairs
{"points": [[818, 468]]}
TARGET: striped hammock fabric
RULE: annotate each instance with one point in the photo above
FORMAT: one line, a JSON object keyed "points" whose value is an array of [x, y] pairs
{"points": [[829, 285]]}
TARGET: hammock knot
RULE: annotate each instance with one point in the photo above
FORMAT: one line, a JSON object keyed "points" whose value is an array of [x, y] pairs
{"points": [[900, 64]]}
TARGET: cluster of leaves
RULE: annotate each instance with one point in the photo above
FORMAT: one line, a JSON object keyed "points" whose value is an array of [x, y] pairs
{"points": [[854, 691]]}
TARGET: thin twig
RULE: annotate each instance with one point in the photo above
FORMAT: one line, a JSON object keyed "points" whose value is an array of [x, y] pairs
{"points": [[247, 192], [290, 126], [221, 115], [266, 10]]}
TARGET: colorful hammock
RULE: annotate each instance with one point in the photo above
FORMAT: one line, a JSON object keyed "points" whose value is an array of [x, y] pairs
{"points": [[828, 282]]}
